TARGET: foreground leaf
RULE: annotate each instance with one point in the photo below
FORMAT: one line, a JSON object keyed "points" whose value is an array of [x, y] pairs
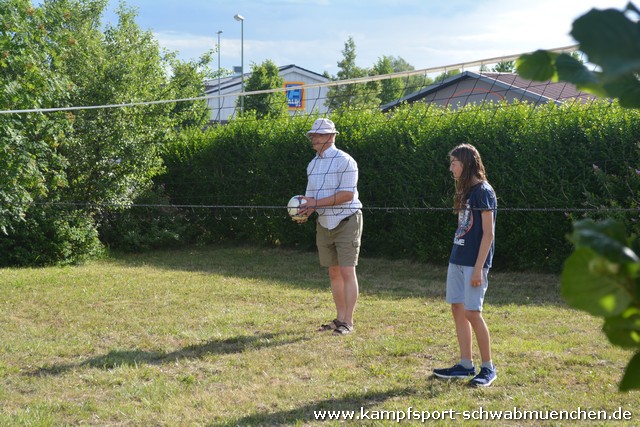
{"points": [[606, 238], [539, 65], [610, 40], [631, 378], [624, 330], [589, 283], [626, 88]]}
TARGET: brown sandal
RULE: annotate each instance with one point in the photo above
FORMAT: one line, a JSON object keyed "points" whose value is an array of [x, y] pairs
{"points": [[331, 326], [342, 329]]}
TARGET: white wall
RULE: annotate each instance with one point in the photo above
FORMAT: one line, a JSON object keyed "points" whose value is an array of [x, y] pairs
{"points": [[224, 107]]}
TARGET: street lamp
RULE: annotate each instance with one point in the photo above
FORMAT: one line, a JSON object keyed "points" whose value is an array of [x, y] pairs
{"points": [[219, 106], [240, 18]]}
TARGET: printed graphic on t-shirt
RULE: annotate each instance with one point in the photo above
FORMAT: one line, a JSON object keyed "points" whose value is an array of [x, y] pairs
{"points": [[465, 222]]}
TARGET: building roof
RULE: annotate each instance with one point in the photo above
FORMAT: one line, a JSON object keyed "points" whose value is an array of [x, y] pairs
{"points": [[291, 66], [548, 91], [556, 91], [211, 85]]}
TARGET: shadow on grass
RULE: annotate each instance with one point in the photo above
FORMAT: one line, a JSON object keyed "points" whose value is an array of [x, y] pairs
{"points": [[299, 268], [380, 277], [350, 404], [120, 358]]}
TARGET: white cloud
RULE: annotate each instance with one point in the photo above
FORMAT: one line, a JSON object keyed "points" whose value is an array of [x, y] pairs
{"points": [[424, 34], [174, 40]]}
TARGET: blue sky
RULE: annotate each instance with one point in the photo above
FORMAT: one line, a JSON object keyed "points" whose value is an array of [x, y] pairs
{"points": [[312, 33]]}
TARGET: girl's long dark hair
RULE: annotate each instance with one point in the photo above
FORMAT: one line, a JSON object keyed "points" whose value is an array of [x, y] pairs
{"points": [[472, 167]]}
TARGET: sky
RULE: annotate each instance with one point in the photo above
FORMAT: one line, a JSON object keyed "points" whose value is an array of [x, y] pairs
{"points": [[312, 33]]}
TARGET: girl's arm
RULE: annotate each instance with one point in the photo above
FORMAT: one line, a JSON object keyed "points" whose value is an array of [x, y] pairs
{"points": [[485, 246]]}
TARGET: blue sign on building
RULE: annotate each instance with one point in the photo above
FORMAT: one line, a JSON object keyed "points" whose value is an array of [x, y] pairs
{"points": [[295, 97]]}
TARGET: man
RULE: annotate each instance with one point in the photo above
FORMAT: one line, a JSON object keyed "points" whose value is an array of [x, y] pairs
{"points": [[332, 193]]}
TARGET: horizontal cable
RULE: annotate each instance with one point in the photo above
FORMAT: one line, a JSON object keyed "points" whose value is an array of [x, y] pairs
{"points": [[366, 79], [265, 207]]}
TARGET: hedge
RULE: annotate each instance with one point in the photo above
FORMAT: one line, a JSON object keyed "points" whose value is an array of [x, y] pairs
{"points": [[548, 164]]}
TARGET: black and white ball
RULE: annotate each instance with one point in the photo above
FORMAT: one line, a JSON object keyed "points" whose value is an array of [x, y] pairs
{"points": [[293, 207]]}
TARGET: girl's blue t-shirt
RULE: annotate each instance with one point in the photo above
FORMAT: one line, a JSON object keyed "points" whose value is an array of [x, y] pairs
{"points": [[466, 242]]}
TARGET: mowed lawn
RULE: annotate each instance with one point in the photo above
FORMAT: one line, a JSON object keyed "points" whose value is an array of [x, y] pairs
{"points": [[224, 336]]}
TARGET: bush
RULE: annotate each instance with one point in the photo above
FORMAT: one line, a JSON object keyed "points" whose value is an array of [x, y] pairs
{"points": [[50, 235], [147, 225]]}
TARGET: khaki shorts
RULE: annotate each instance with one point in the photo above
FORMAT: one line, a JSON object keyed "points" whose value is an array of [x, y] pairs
{"points": [[340, 246]]}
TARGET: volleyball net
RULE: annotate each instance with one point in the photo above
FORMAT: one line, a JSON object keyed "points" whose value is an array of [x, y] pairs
{"points": [[439, 96], [549, 150]]}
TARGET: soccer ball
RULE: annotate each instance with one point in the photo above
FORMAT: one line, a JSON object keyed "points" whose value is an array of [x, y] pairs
{"points": [[293, 205]]}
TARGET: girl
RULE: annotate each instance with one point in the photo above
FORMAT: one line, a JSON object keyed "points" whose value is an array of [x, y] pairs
{"points": [[475, 202]]}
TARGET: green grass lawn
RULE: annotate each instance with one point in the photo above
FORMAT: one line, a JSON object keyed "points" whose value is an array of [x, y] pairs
{"points": [[226, 336]]}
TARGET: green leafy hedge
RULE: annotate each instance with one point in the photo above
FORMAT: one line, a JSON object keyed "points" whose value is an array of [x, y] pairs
{"points": [[549, 165], [50, 235]]}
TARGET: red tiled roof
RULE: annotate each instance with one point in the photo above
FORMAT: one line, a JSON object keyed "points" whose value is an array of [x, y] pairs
{"points": [[557, 91]]}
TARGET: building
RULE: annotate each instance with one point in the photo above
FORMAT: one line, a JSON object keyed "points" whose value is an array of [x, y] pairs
{"points": [[470, 87], [302, 100]]}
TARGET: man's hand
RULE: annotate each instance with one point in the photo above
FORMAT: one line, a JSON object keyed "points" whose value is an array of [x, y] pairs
{"points": [[306, 209]]}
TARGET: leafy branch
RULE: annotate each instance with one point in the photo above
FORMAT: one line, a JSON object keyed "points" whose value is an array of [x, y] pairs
{"points": [[602, 275]]}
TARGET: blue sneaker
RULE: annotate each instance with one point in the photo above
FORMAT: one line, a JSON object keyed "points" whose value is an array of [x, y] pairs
{"points": [[484, 378], [456, 371]]}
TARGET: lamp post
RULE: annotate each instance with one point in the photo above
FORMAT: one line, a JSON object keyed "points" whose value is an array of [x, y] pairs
{"points": [[240, 18], [219, 106]]}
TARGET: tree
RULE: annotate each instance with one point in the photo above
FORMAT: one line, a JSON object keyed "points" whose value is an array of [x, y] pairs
{"points": [[263, 77], [352, 95], [112, 152], [391, 89], [61, 171], [187, 82], [30, 159], [412, 83], [602, 275], [504, 67]]}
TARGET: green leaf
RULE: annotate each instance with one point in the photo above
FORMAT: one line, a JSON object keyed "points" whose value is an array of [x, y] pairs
{"points": [[538, 65], [574, 71], [608, 227], [631, 378], [607, 238], [591, 283], [624, 330], [626, 88], [609, 39]]}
